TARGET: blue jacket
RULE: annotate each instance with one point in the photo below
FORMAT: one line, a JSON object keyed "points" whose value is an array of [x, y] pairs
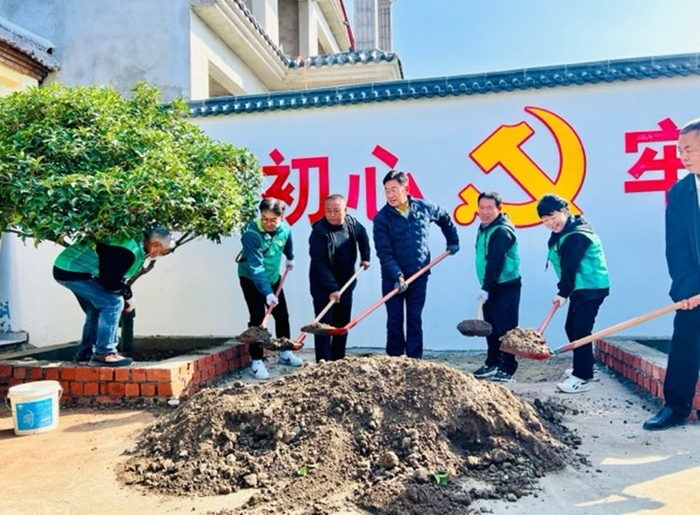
{"points": [[682, 245], [402, 242]]}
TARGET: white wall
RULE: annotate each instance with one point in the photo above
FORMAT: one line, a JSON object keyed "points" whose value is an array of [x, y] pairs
{"points": [[195, 291]]}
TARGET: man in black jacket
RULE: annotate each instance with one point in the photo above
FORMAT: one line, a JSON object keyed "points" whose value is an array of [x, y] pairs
{"points": [[683, 260], [333, 246]]}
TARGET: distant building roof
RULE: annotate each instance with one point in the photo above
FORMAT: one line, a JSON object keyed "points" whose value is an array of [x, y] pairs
{"points": [[495, 82], [36, 47]]}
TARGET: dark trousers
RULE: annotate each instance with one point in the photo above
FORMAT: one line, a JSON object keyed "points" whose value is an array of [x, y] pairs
{"points": [[683, 362], [580, 320], [501, 311], [413, 299], [332, 348], [256, 311]]}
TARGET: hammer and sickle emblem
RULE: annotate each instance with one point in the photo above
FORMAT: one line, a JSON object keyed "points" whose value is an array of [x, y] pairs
{"points": [[503, 147]]}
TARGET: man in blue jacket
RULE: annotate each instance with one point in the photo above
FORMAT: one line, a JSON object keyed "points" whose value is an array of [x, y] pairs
{"points": [[401, 230], [683, 260]]}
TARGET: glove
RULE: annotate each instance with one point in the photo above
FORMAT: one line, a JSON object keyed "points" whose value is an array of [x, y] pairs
{"points": [[453, 249], [483, 294], [129, 305], [289, 263], [272, 299], [561, 300], [401, 285]]}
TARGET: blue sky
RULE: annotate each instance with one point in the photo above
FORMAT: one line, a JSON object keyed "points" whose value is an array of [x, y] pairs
{"points": [[455, 37]]}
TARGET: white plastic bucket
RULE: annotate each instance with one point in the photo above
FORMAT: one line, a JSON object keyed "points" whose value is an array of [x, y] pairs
{"points": [[34, 406]]}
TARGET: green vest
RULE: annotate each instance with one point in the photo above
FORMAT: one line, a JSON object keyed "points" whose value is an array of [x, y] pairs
{"points": [[592, 273], [511, 267], [83, 258], [271, 245]]}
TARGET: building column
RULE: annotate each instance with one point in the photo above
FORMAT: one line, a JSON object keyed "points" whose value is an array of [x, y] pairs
{"points": [[266, 13], [308, 30]]}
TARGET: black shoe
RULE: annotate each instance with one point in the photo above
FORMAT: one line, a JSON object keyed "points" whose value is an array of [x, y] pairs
{"points": [[82, 358], [663, 420], [485, 371]]}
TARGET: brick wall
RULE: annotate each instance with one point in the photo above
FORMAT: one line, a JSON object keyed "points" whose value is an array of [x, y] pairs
{"points": [[644, 366], [176, 377]]}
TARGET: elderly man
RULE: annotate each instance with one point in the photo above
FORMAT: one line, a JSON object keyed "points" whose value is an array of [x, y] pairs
{"points": [[97, 275], [334, 245]]}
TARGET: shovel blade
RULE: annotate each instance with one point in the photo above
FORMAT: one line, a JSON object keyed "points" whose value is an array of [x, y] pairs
{"points": [[474, 328], [280, 344]]}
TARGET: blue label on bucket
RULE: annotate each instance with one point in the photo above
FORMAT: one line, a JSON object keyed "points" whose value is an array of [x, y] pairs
{"points": [[35, 414]]}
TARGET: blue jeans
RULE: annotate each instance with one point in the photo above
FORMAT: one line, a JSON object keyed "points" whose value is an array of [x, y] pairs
{"points": [[413, 300], [102, 310]]}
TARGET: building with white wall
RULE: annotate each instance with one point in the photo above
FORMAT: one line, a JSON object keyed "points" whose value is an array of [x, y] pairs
{"points": [[198, 49]]}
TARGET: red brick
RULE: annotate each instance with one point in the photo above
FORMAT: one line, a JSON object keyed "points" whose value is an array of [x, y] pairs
{"points": [[121, 375], [138, 375], [76, 388], [5, 370], [104, 388], [67, 374], [36, 373], [87, 374], [15, 381], [165, 390], [132, 390], [116, 389], [20, 373], [52, 373], [158, 375], [91, 389], [106, 374], [148, 390]]}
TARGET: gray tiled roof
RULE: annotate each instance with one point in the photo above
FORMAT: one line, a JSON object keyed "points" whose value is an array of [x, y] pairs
{"points": [[552, 76], [30, 44], [341, 58]]}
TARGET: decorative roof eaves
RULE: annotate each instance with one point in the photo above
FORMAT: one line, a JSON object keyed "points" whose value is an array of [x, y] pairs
{"points": [[495, 82], [37, 48]]}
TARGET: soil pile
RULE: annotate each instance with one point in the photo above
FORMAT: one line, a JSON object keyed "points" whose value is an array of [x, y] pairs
{"points": [[386, 435]]}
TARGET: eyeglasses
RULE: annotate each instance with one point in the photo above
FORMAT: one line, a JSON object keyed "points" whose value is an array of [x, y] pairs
{"points": [[272, 220]]}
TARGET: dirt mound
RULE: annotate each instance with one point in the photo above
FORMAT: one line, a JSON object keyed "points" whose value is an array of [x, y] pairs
{"points": [[387, 435], [524, 342]]}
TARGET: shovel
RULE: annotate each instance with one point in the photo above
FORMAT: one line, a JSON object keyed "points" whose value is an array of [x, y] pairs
{"points": [[298, 343], [614, 329], [333, 331], [478, 326], [529, 343], [260, 333]]}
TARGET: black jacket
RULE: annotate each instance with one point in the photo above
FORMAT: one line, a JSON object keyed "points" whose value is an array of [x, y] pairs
{"points": [[682, 245], [333, 250]]}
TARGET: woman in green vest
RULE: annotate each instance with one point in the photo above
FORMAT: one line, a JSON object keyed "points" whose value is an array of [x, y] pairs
{"points": [[577, 257], [97, 275]]}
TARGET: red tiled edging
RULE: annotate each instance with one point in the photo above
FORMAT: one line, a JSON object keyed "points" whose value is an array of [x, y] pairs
{"points": [[644, 366], [176, 377]]}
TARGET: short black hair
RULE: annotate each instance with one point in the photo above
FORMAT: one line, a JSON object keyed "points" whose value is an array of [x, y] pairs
{"points": [[272, 204], [396, 175], [493, 195], [550, 203]]}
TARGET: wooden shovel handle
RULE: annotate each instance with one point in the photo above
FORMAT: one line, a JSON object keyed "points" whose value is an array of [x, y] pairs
{"points": [[325, 310], [619, 327], [277, 294], [369, 310], [479, 308], [548, 318]]}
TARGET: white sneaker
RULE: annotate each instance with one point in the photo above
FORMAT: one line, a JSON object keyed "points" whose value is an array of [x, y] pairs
{"points": [[573, 384], [596, 376], [288, 358], [259, 370]]}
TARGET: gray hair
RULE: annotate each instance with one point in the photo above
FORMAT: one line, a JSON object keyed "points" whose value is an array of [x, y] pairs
{"points": [[163, 235], [691, 126]]}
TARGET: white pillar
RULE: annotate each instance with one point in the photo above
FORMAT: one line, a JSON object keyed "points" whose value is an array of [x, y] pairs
{"points": [[366, 25], [308, 30], [266, 14]]}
